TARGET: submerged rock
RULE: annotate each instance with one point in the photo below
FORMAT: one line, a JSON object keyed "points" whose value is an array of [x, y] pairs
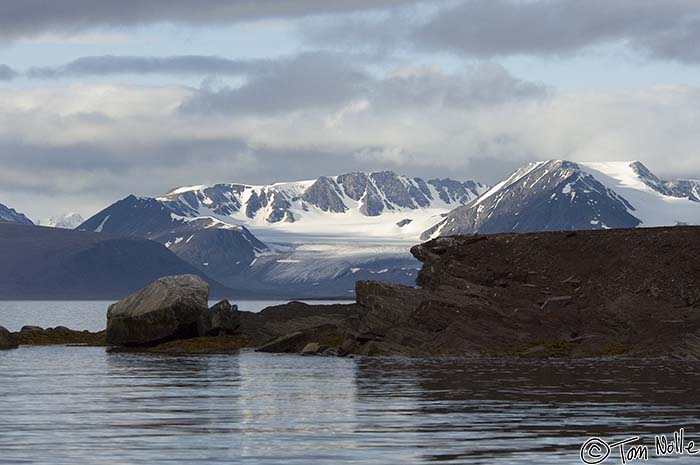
{"points": [[201, 345], [289, 343], [170, 308], [312, 348], [7, 340]]}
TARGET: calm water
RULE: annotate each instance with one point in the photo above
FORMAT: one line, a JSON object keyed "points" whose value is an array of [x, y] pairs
{"points": [[90, 315], [83, 406], [73, 405]]}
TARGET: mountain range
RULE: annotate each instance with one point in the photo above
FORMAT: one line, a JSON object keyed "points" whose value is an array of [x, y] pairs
{"points": [[307, 238], [317, 238]]}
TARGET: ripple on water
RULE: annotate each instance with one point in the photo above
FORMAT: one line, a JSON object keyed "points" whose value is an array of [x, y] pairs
{"points": [[68, 405]]}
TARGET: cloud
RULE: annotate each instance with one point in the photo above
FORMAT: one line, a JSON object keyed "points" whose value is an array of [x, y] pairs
{"points": [[29, 18], [308, 81], [483, 84], [184, 64], [320, 80], [7, 73], [488, 29], [81, 147]]}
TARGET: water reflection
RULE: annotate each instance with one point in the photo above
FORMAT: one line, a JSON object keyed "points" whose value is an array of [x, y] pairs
{"points": [[499, 411], [72, 405]]}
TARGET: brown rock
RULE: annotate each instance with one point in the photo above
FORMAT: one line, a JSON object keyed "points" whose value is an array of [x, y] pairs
{"points": [[496, 295], [290, 343], [221, 319], [7, 340]]}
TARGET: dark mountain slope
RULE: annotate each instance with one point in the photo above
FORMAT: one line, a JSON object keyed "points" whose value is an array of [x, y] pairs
{"points": [[559, 195], [10, 215], [215, 248], [49, 263]]}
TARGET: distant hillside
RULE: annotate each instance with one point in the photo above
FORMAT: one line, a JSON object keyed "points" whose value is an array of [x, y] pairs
{"points": [[50, 263]]}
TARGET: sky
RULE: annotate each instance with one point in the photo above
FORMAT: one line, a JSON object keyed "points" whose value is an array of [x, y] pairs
{"points": [[102, 99]]}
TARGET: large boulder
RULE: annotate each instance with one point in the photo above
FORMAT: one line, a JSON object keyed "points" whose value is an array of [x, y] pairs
{"points": [[170, 308], [222, 319], [7, 340]]}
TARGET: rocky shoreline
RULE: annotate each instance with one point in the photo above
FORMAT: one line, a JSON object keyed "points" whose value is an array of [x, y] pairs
{"points": [[631, 292]]}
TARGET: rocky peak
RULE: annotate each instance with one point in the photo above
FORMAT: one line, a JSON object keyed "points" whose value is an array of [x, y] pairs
{"points": [[326, 195], [455, 192], [399, 193], [545, 196], [354, 184]]}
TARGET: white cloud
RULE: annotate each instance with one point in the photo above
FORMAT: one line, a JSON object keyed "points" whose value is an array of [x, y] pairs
{"points": [[92, 144], [77, 39]]}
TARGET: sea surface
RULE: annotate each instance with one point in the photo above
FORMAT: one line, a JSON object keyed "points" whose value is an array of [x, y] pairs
{"points": [[65, 405]]}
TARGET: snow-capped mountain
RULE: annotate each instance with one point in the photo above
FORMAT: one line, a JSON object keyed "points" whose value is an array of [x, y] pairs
{"points": [[10, 215], [351, 206], [301, 238], [65, 221], [562, 195]]}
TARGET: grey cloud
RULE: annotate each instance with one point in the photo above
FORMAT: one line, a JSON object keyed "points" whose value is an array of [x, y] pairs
{"points": [[506, 27], [496, 28], [308, 81], [484, 84], [675, 44], [321, 80], [7, 73], [184, 64], [31, 17]]}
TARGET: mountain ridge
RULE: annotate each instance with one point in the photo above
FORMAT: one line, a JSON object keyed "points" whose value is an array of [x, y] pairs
{"points": [[312, 238], [10, 215], [557, 195]]}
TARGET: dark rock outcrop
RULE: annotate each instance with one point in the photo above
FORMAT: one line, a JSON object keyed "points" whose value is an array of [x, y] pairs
{"points": [[219, 320], [7, 340], [170, 308], [588, 293], [325, 324], [60, 335]]}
